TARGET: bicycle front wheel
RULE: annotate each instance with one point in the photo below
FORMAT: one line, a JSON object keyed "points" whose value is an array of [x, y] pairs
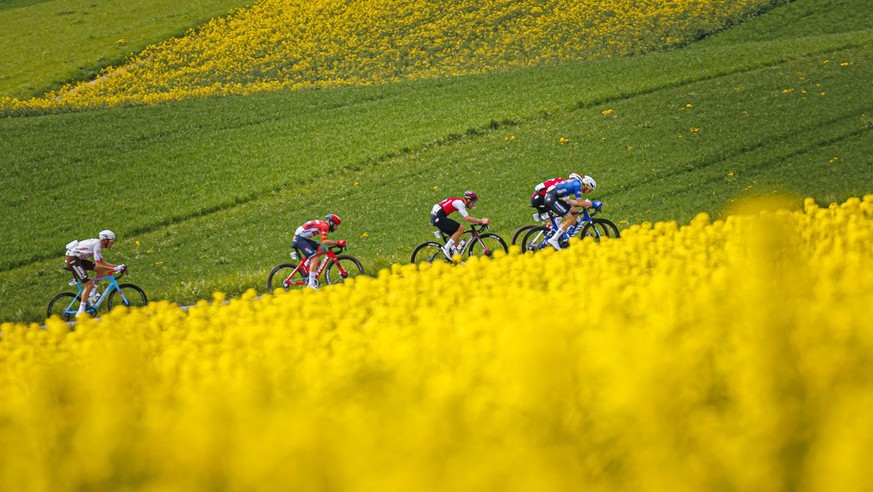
{"points": [[63, 305], [128, 295], [289, 272], [428, 252], [598, 228], [344, 268], [487, 245]]}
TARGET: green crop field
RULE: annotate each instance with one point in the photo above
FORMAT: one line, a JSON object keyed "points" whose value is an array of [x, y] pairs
{"points": [[205, 193]]}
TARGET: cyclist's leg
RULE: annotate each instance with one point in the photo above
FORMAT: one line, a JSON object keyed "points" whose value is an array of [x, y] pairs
{"points": [[310, 250], [80, 269], [448, 227], [562, 209]]}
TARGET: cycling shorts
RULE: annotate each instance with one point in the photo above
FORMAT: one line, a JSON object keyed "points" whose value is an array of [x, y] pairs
{"points": [[306, 246], [538, 202], [79, 267], [441, 221], [556, 205]]}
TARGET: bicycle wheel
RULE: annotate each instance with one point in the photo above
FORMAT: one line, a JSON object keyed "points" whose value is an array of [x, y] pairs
{"points": [[487, 245], [427, 252], [281, 272], [63, 305], [350, 265], [128, 295], [520, 232], [535, 239], [598, 228]]}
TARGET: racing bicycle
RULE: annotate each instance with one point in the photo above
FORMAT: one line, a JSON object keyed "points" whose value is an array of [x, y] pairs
{"points": [[473, 242], [66, 304], [336, 268], [586, 226]]}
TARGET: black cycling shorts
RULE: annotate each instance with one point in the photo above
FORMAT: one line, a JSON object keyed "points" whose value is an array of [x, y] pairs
{"points": [[442, 222], [79, 267], [556, 205], [538, 202]]}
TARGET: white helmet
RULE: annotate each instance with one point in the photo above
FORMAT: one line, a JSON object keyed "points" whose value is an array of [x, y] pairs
{"points": [[589, 182], [107, 234], [576, 176]]}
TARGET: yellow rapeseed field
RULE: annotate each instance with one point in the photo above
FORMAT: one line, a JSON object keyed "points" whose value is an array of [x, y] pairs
{"points": [[281, 44], [719, 355]]}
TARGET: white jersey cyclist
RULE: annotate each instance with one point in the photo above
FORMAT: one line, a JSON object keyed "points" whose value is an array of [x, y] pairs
{"points": [[88, 249]]}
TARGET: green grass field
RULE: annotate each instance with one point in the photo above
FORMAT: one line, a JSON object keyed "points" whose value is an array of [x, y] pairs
{"points": [[47, 43], [205, 194]]}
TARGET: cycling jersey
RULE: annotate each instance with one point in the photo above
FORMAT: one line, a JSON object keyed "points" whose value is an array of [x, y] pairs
{"points": [[313, 228], [541, 188], [566, 188], [86, 249], [451, 205]]}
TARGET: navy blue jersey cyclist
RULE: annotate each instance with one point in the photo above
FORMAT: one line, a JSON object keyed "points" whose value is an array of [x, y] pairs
{"points": [[565, 198]]}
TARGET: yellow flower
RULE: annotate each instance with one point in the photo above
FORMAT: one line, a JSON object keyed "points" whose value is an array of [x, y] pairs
{"points": [[606, 112], [365, 235], [694, 130], [563, 140]]}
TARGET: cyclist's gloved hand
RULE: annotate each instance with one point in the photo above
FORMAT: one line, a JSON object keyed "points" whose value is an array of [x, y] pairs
{"points": [[120, 268], [341, 243], [596, 204]]}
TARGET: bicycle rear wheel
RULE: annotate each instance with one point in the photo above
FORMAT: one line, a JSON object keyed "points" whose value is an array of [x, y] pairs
{"points": [[535, 239], [349, 264], [282, 272], [64, 305], [598, 228], [520, 232], [487, 245], [428, 252]]}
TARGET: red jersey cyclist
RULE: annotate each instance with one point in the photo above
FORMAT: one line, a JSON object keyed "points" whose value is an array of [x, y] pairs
{"points": [[303, 240], [439, 218], [85, 255], [538, 199]]}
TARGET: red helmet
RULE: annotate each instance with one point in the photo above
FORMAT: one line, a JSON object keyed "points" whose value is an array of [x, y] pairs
{"points": [[469, 195], [333, 218]]}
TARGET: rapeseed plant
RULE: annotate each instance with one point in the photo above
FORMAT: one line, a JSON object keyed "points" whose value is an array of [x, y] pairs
{"points": [[277, 45], [727, 354]]}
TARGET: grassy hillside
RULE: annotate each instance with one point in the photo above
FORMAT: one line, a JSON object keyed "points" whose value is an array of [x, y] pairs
{"points": [[275, 45], [45, 44], [206, 193]]}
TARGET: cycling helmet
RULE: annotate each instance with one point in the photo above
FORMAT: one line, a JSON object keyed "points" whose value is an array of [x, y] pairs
{"points": [[589, 182], [107, 234], [576, 176], [333, 218], [469, 195]]}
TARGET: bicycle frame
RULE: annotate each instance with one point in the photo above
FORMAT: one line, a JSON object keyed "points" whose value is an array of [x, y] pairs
{"points": [[582, 217], [113, 286], [474, 238], [303, 266]]}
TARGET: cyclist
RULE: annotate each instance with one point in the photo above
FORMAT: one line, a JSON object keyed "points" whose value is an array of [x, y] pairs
{"points": [[78, 260], [303, 240], [537, 200], [558, 200], [439, 218]]}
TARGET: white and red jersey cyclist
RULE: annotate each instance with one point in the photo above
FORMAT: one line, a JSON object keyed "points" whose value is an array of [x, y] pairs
{"points": [[538, 199], [439, 217]]}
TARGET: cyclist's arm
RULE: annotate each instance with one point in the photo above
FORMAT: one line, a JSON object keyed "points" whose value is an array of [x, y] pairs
{"points": [[474, 220]]}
